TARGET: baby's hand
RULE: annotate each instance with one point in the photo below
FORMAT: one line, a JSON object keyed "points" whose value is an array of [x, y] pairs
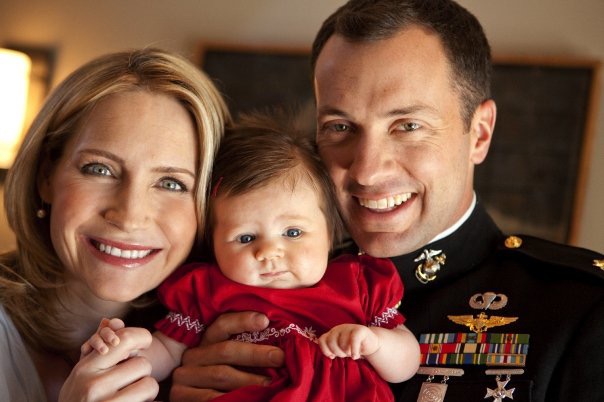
{"points": [[105, 335], [349, 340]]}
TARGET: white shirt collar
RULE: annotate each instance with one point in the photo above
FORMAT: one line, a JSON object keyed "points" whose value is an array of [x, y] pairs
{"points": [[459, 222]]}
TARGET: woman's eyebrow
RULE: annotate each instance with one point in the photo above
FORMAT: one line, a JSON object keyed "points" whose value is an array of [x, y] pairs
{"points": [[103, 153], [158, 169], [173, 169]]}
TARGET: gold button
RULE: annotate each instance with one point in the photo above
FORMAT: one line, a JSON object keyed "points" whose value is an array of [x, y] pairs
{"points": [[513, 242], [599, 264]]}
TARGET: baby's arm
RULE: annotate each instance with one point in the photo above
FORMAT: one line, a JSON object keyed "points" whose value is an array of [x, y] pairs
{"points": [[164, 353], [393, 353]]}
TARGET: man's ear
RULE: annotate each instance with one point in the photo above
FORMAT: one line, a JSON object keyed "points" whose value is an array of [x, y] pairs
{"points": [[481, 130], [43, 181]]}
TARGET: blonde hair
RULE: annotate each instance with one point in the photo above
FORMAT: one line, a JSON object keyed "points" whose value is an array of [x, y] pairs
{"points": [[31, 276]]}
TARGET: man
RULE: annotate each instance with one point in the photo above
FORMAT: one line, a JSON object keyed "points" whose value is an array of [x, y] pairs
{"points": [[403, 116]]}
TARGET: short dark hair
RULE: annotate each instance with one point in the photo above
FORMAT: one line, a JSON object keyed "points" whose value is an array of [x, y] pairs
{"points": [[463, 39], [264, 147]]}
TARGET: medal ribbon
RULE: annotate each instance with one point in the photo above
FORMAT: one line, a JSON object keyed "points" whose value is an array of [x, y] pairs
{"points": [[474, 348]]}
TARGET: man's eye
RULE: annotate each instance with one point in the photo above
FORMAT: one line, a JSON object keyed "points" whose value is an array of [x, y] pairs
{"points": [[246, 238], [410, 126], [339, 127], [96, 169], [294, 233], [172, 185], [332, 127]]}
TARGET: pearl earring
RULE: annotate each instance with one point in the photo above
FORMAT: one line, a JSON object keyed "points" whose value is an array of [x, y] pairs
{"points": [[41, 213]]}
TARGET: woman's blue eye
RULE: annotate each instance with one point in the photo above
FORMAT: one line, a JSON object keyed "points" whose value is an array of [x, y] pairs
{"points": [[172, 185], [246, 238], [293, 233], [96, 169]]}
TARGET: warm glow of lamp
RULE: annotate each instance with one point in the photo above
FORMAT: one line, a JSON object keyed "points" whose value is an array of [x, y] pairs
{"points": [[14, 83]]}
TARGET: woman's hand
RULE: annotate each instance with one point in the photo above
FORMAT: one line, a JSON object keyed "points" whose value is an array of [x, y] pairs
{"points": [[118, 375], [206, 370]]}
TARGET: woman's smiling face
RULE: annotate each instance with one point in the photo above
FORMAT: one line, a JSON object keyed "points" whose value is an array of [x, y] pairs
{"points": [[122, 207]]}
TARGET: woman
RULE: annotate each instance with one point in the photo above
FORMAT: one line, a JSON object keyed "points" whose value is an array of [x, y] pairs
{"points": [[106, 198]]}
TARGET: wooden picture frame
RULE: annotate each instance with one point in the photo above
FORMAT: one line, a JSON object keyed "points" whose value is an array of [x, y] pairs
{"points": [[259, 77], [534, 178]]}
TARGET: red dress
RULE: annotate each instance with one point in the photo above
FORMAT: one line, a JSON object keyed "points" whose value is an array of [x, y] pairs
{"points": [[354, 289]]}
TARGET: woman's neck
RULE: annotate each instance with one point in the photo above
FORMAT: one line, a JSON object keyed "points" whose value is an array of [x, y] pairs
{"points": [[81, 312]]}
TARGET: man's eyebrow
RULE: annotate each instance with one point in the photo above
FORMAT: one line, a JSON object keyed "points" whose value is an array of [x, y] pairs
{"points": [[331, 111], [158, 169], [411, 109]]}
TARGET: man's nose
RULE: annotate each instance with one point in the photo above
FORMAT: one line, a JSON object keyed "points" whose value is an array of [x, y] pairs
{"points": [[372, 158]]}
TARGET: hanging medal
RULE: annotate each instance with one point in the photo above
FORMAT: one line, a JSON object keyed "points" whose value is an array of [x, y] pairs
{"points": [[432, 391], [500, 393]]}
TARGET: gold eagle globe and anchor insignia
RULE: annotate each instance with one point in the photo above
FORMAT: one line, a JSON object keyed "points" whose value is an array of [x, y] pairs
{"points": [[432, 261], [482, 322]]}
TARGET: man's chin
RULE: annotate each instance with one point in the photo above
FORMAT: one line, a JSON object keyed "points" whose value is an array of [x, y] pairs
{"points": [[381, 244]]}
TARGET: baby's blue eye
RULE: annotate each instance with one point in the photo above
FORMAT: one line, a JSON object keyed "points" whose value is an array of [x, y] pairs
{"points": [[293, 233], [246, 238]]}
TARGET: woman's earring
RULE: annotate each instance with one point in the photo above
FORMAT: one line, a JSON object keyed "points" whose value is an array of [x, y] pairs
{"points": [[41, 213]]}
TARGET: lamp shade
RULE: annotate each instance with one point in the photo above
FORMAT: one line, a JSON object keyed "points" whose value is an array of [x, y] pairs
{"points": [[14, 83]]}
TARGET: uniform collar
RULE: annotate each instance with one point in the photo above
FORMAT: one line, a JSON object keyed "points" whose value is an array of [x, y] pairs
{"points": [[465, 248], [459, 222]]}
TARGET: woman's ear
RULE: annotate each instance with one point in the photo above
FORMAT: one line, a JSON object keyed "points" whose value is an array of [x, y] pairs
{"points": [[483, 125], [43, 181]]}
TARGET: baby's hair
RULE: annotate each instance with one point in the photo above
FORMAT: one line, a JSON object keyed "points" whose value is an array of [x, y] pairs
{"points": [[266, 147]]}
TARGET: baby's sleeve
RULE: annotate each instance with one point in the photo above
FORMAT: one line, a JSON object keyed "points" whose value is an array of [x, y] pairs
{"points": [[381, 291], [180, 294]]}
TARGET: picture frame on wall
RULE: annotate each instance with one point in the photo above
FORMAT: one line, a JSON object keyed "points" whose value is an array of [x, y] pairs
{"points": [[255, 78], [533, 180]]}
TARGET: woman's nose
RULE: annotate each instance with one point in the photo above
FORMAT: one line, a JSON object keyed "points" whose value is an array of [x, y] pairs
{"points": [[129, 208]]}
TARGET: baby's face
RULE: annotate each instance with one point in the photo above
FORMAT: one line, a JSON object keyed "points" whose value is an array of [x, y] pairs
{"points": [[272, 237]]}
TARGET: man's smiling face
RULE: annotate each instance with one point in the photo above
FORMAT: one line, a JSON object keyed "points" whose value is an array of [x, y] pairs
{"points": [[390, 130]]}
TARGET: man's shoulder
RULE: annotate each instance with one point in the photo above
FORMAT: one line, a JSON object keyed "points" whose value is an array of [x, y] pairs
{"points": [[539, 253]]}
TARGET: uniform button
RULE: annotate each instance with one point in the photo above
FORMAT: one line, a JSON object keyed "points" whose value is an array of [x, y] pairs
{"points": [[513, 242]]}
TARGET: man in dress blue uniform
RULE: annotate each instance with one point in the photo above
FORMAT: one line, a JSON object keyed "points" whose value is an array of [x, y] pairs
{"points": [[403, 117]]}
